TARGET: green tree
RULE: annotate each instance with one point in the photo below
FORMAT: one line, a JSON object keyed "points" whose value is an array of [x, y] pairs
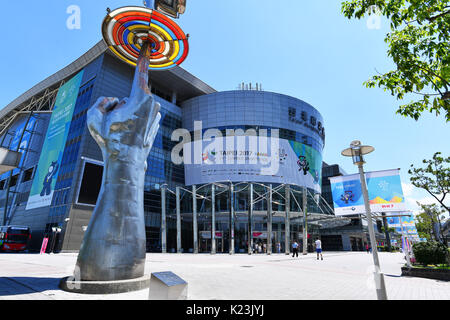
{"points": [[419, 46], [389, 230], [429, 221], [434, 178]]}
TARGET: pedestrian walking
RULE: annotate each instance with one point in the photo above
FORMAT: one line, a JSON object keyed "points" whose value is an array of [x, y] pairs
{"points": [[295, 249], [264, 248], [367, 248], [278, 247], [319, 248], [259, 248]]}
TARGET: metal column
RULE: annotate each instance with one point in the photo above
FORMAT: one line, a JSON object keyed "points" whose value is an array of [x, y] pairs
{"points": [[287, 221], [386, 232], [250, 220], [269, 221], [178, 220], [305, 221], [163, 221], [231, 246], [213, 219], [194, 218], [379, 277]]}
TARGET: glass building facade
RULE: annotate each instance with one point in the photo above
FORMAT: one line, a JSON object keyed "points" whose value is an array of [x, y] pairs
{"points": [[184, 100]]}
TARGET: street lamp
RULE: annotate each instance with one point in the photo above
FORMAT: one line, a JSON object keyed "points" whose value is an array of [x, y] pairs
{"points": [[357, 151]]}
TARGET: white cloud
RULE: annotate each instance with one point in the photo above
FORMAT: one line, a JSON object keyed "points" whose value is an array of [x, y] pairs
{"points": [[412, 205], [408, 189]]}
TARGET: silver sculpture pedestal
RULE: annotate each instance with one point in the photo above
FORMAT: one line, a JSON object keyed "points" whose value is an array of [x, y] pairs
{"points": [[104, 287]]}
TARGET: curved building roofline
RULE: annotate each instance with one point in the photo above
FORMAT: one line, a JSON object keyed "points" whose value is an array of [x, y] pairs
{"points": [[189, 84], [263, 92]]}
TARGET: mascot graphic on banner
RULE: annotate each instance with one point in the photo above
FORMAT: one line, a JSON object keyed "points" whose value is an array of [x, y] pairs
{"points": [[47, 184], [303, 164], [347, 196]]}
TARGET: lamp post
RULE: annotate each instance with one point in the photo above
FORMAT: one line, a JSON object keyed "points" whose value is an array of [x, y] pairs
{"points": [[357, 151]]}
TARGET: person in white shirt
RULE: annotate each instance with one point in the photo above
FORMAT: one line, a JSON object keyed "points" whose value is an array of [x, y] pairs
{"points": [[319, 249]]}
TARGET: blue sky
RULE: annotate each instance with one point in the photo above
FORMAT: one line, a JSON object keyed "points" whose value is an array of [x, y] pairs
{"points": [[306, 49]]}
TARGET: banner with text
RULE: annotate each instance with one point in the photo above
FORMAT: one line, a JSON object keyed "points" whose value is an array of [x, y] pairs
{"points": [[384, 188], [252, 159], [44, 181]]}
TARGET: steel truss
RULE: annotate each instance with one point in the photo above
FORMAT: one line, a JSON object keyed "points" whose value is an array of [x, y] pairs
{"points": [[209, 192]]}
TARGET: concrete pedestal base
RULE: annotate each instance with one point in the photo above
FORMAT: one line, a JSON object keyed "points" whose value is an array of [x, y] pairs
{"points": [[104, 287], [167, 286]]}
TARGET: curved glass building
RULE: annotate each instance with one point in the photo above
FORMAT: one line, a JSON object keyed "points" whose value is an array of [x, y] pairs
{"points": [[244, 149], [291, 126]]}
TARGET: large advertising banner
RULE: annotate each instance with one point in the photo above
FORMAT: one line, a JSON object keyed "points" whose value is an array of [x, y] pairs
{"points": [[384, 188], [44, 181], [252, 159], [393, 222], [409, 225], [23, 143]]}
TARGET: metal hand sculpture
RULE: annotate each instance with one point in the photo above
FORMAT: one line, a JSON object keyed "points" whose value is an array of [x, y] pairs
{"points": [[114, 245]]}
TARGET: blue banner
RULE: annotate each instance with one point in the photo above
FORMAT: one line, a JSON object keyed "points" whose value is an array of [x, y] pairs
{"points": [[384, 190], [47, 171]]}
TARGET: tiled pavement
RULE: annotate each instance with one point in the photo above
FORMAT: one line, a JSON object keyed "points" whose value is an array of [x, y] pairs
{"points": [[341, 275]]}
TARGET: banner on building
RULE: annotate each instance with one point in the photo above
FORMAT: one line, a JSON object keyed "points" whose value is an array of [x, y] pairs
{"points": [[47, 171], [252, 159], [16, 140], [207, 234], [384, 189], [393, 222]]}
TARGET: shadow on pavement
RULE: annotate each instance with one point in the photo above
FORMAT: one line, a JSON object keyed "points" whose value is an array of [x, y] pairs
{"points": [[11, 286]]}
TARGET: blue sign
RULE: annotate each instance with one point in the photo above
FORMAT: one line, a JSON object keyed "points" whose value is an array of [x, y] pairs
{"points": [[23, 144], [384, 191], [47, 171]]}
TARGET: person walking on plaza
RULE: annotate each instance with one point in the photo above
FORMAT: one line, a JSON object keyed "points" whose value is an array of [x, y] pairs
{"points": [[367, 248], [319, 248], [295, 249], [278, 247]]}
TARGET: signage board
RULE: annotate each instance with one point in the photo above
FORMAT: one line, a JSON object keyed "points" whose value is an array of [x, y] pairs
{"points": [[384, 189], [47, 171], [44, 245], [19, 133], [252, 159], [207, 234]]}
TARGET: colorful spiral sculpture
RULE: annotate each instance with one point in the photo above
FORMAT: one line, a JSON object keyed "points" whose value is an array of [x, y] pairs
{"points": [[125, 29]]}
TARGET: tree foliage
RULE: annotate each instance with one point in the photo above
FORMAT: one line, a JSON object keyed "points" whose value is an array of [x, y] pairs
{"points": [[419, 44], [434, 178], [427, 220]]}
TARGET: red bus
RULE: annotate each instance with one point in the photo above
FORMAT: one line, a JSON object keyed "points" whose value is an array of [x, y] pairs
{"points": [[14, 238]]}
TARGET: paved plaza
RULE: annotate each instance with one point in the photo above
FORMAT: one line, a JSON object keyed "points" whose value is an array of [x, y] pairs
{"points": [[341, 275]]}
